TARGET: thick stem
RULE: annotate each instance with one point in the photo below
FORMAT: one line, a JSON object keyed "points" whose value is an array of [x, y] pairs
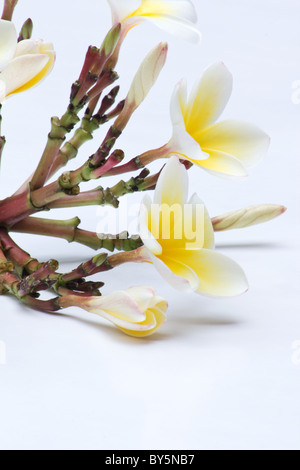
{"points": [[42, 305], [95, 197], [21, 260], [16, 208], [102, 263], [139, 162], [8, 9], [69, 231], [89, 124], [60, 127]]}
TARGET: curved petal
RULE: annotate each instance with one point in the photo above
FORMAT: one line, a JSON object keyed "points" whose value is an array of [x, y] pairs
{"points": [[149, 220], [118, 304], [243, 140], [126, 324], [222, 164], [142, 295], [218, 275], [209, 235], [122, 9], [155, 318], [172, 185], [178, 27], [22, 70], [177, 8], [209, 97], [185, 146], [47, 50], [2, 90], [178, 275], [178, 103], [27, 46], [8, 42]]}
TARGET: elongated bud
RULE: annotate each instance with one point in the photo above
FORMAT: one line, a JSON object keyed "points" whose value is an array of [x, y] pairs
{"points": [[246, 217], [147, 75], [143, 81], [111, 40]]}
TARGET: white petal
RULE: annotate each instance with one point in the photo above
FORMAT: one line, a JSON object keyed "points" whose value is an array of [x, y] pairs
{"points": [[121, 8], [119, 304], [143, 296], [218, 275], [2, 90], [243, 140], [125, 324], [172, 184], [178, 27], [186, 282], [183, 9], [208, 98], [179, 103], [8, 42], [146, 221], [27, 46], [209, 235], [183, 144], [23, 69], [222, 164]]}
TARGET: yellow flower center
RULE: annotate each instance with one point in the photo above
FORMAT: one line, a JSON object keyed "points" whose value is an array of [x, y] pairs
{"points": [[152, 8]]}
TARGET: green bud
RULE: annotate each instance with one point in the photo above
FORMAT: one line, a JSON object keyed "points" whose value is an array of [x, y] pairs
{"points": [[111, 40], [26, 31]]}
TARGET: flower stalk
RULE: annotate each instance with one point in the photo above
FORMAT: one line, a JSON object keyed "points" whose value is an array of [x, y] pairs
{"points": [[8, 9]]}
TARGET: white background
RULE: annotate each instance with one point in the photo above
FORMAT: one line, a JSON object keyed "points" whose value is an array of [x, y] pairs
{"points": [[220, 374]]}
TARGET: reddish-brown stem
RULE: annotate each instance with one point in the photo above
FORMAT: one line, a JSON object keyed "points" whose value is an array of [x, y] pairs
{"points": [[8, 9], [16, 208], [18, 256]]}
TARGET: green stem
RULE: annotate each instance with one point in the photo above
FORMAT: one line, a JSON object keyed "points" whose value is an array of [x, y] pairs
{"points": [[89, 124], [102, 263], [60, 128], [108, 196], [22, 261], [69, 231]]}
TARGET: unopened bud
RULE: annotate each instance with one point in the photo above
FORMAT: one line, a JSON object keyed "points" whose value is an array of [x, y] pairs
{"points": [[246, 217], [143, 81], [26, 31]]}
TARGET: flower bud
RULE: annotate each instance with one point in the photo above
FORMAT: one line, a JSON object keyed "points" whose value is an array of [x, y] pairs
{"points": [[246, 217]]}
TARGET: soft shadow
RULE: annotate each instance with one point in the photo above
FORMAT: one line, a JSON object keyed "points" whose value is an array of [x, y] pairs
{"points": [[258, 245], [178, 324]]}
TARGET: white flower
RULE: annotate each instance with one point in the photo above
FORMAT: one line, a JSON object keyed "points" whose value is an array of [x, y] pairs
{"points": [[136, 311], [225, 148], [181, 247], [23, 64]]}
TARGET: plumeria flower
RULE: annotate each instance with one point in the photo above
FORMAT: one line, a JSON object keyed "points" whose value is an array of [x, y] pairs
{"points": [[185, 256], [23, 64], [225, 148], [174, 16], [136, 311]]}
